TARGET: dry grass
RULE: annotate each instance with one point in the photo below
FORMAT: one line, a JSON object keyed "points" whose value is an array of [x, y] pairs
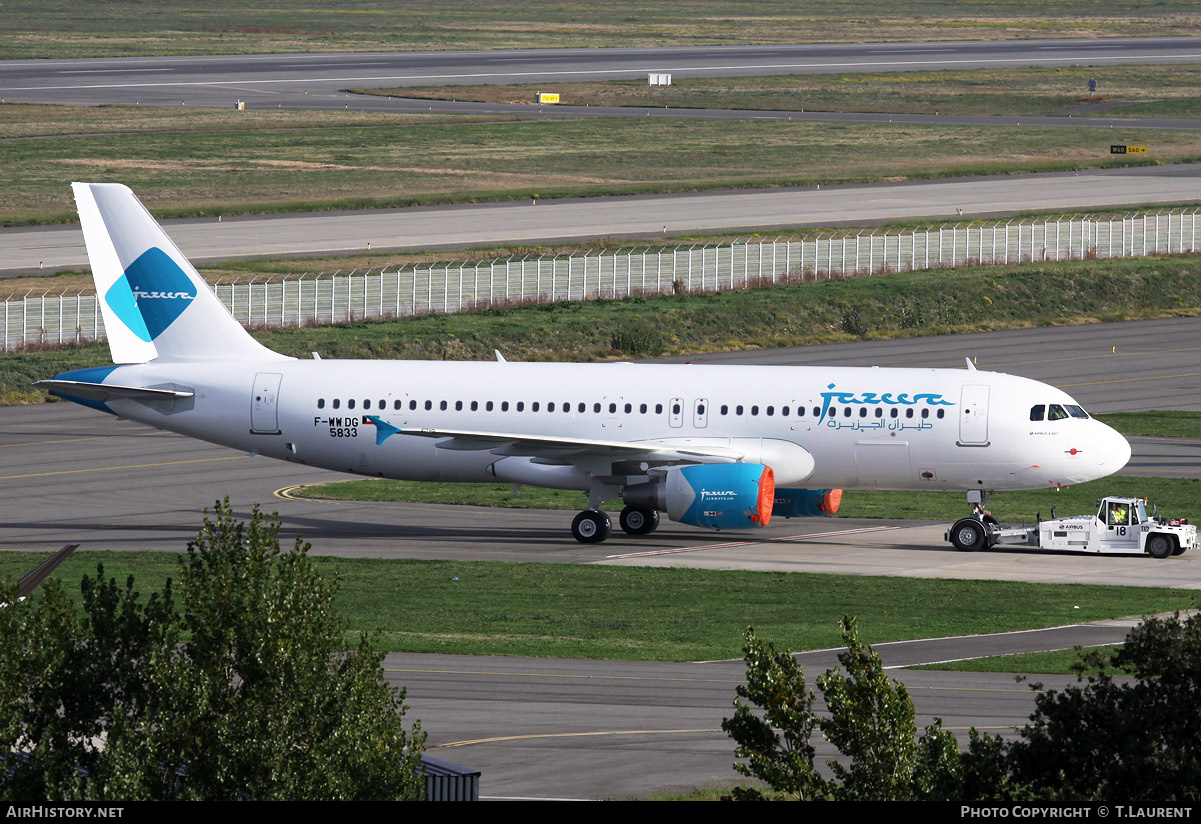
{"points": [[54, 28]]}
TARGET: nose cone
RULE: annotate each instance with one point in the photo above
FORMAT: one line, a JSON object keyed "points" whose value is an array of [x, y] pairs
{"points": [[1115, 449]]}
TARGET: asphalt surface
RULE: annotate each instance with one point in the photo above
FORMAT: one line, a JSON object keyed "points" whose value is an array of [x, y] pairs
{"points": [[315, 80], [42, 248], [554, 728]]}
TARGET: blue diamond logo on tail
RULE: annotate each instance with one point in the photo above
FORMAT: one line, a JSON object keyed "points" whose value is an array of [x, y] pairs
{"points": [[153, 292]]}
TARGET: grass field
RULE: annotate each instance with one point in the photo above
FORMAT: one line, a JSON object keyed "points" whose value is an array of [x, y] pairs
{"points": [[55, 28], [568, 610], [190, 163], [1175, 88]]}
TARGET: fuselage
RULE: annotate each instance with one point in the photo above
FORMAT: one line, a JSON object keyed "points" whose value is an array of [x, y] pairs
{"points": [[920, 429]]}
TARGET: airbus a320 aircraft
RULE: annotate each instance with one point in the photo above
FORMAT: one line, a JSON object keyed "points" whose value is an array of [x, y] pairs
{"points": [[723, 447]]}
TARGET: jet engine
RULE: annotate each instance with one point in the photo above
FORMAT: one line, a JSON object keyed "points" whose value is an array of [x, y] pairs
{"points": [[716, 496], [806, 503]]}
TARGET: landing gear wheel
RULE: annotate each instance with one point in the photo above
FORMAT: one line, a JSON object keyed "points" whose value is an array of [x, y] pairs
{"points": [[636, 521], [591, 527], [968, 535], [1159, 546]]}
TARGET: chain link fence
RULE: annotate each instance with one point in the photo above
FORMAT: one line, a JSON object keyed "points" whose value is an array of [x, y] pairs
{"points": [[310, 300]]}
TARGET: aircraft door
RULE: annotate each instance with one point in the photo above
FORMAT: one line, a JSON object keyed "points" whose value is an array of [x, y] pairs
{"points": [[700, 413], [675, 412], [973, 416], [264, 403]]}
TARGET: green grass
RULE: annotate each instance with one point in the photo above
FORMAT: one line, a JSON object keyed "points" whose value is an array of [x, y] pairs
{"points": [[277, 161], [895, 305], [1058, 662], [1170, 424], [54, 28], [567, 610], [1176, 89]]}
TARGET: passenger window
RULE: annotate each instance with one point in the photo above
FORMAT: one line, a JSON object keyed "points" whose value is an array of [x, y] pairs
{"points": [[337, 403], [892, 413], [738, 409], [596, 408], [458, 406], [321, 403], [879, 412], [642, 408], [926, 412], [629, 408], [504, 406], [550, 406], [658, 409], [429, 405], [534, 406], [396, 404], [675, 409], [475, 405], [612, 408], [350, 404], [488, 406], [700, 409], [442, 406], [863, 411], [412, 405], [754, 410], [771, 410], [581, 408], [521, 406], [817, 411], [846, 412], [909, 413], [942, 412]]}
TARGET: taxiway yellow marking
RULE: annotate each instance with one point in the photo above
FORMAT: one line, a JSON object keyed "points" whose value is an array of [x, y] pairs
{"points": [[582, 677], [535, 736], [80, 440], [112, 468], [1130, 380]]}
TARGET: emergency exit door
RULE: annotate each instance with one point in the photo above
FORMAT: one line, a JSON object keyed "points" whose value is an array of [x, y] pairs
{"points": [[264, 403]]}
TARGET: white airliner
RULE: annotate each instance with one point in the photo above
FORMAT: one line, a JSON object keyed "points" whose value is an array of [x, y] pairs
{"points": [[724, 447]]}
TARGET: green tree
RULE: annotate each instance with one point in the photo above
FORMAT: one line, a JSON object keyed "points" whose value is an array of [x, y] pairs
{"points": [[1113, 738], [243, 692], [777, 743], [871, 722]]}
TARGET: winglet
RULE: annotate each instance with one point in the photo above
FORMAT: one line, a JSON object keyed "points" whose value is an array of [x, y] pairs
{"points": [[499, 357], [383, 429], [971, 367]]}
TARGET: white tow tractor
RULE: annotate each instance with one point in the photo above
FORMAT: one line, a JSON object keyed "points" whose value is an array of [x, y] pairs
{"points": [[1121, 525]]}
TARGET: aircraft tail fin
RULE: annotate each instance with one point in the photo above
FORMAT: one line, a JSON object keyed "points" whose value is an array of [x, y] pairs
{"points": [[154, 303]]}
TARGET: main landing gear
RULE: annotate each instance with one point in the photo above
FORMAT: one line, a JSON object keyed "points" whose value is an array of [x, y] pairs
{"points": [[593, 526], [979, 529]]}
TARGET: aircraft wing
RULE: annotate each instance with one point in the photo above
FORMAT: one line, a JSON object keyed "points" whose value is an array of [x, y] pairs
{"points": [[540, 446]]}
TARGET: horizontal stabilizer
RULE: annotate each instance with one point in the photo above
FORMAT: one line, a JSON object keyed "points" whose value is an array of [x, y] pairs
{"points": [[104, 392]]}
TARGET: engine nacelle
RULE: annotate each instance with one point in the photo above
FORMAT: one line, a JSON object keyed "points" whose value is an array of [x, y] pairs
{"points": [[806, 503], [716, 496]]}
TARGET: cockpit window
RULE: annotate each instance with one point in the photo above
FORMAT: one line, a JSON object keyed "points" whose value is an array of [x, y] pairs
{"points": [[1056, 413], [1077, 412], [1037, 411]]}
